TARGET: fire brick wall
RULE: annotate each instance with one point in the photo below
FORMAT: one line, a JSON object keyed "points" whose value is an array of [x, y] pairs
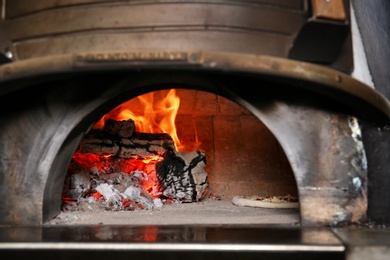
{"points": [[243, 156]]}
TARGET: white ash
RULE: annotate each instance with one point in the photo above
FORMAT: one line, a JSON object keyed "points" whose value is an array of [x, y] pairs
{"points": [[77, 185], [107, 191], [140, 175], [134, 194], [119, 191], [158, 203]]}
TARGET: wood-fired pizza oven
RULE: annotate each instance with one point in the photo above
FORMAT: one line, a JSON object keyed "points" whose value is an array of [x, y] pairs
{"points": [[276, 69]]}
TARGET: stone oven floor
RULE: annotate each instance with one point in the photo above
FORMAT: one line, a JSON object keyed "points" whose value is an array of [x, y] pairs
{"points": [[205, 212]]}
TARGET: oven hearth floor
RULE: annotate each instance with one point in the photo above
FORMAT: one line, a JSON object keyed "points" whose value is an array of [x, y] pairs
{"points": [[205, 212]]}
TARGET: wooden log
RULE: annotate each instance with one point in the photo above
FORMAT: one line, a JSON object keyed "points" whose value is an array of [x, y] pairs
{"points": [[140, 144], [182, 176], [123, 128]]}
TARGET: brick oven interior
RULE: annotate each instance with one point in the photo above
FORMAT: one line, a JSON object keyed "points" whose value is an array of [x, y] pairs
{"points": [[243, 159]]}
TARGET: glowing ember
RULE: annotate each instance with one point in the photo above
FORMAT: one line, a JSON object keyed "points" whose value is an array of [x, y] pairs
{"points": [[141, 168], [110, 183]]}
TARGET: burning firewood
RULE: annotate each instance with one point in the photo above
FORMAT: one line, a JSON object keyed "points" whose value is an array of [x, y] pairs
{"points": [[117, 168], [182, 176], [76, 185], [140, 144], [123, 128]]}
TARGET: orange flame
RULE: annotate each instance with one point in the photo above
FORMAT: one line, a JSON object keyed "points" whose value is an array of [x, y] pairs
{"points": [[158, 116]]}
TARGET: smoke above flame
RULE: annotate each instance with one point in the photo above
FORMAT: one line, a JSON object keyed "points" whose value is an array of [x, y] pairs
{"points": [[156, 115]]}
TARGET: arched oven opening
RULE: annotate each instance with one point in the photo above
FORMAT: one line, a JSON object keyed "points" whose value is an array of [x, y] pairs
{"points": [[244, 157], [310, 114], [170, 148], [313, 126]]}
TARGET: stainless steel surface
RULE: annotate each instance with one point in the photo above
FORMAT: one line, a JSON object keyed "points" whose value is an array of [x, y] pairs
{"points": [[195, 242], [262, 27], [47, 29], [347, 92], [18, 8], [365, 242], [328, 164], [171, 247]]}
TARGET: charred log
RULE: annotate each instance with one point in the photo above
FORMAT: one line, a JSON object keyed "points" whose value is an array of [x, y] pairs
{"points": [[140, 144], [123, 128], [181, 176], [76, 185]]}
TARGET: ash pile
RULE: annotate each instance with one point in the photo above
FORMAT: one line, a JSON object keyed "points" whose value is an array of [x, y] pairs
{"points": [[117, 168]]}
